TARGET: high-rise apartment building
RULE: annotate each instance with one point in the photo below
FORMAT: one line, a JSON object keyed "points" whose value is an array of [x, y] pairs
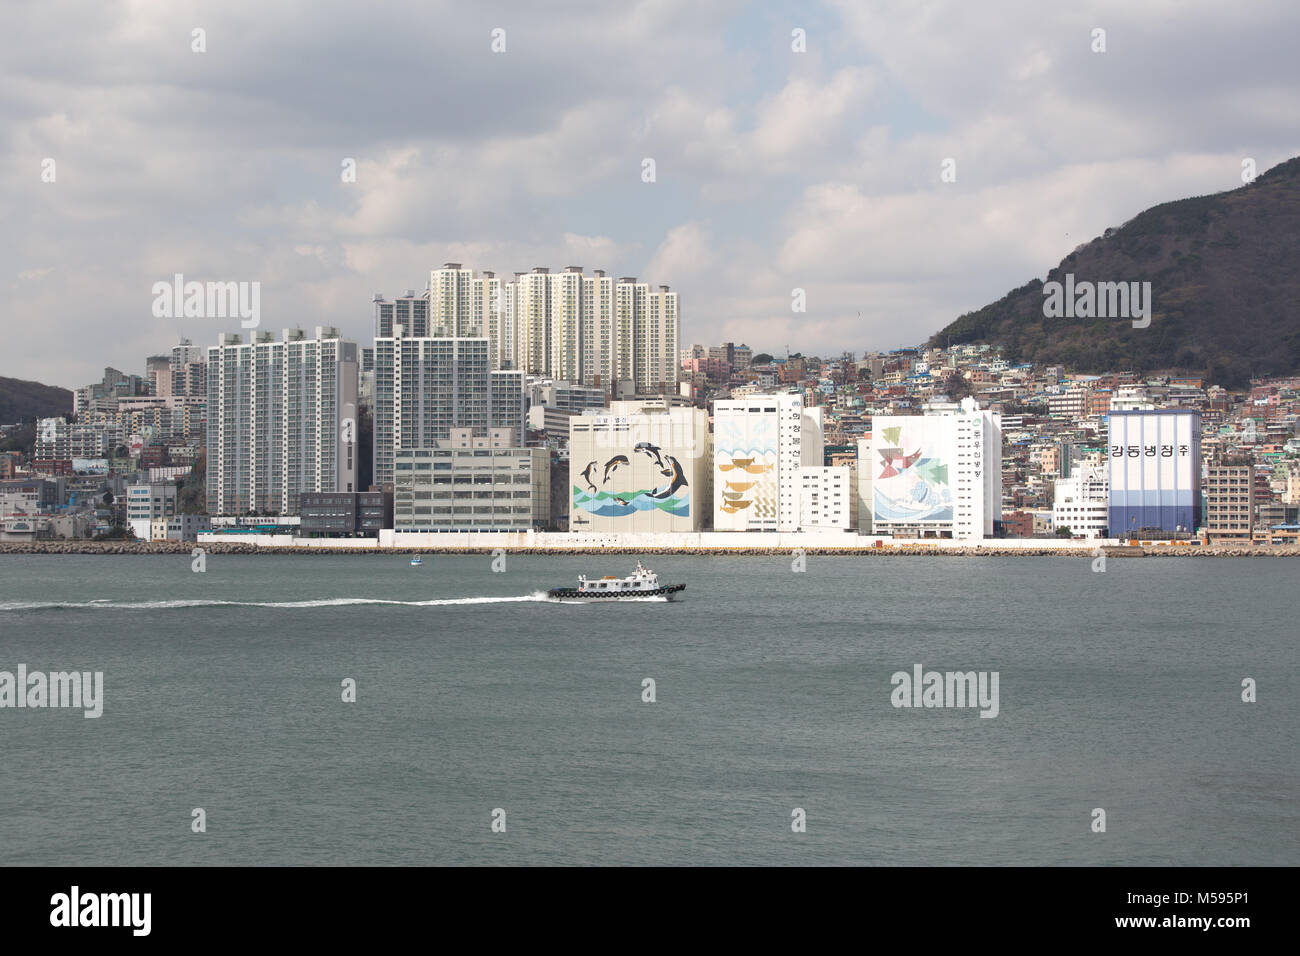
{"points": [[463, 305], [592, 329], [586, 329], [281, 420], [53, 439], [426, 386], [188, 371]]}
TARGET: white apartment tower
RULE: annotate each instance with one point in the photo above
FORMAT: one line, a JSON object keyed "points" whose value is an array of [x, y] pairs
{"points": [[592, 329], [463, 305], [281, 420], [586, 329]]}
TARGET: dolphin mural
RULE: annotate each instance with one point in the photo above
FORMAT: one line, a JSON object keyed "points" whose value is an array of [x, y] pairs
{"points": [[612, 464], [651, 451], [586, 475], [674, 471]]}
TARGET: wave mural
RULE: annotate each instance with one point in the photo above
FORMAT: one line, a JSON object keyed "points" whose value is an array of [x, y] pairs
{"points": [[618, 504]]}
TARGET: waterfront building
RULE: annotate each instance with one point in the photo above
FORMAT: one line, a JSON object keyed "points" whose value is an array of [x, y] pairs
{"points": [[1081, 502], [862, 489], [760, 445], [826, 498], [187, 527], [471, 483], [281, 420], [1154, 470], [937, 476], [148, 503], [640, 466], [344, 514], [1230, 503]]}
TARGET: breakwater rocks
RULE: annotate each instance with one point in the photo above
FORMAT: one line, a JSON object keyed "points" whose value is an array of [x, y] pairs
{"points": [[1082, 551]]}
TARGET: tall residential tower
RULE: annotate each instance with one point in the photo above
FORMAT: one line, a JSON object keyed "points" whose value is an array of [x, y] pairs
{"points": [[281, 420]]}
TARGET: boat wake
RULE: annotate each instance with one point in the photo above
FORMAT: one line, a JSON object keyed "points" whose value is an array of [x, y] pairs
{"points": [[100, 603]]}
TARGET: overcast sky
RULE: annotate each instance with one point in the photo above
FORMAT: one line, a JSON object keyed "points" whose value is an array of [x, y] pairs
{"points": [[775, 169]]}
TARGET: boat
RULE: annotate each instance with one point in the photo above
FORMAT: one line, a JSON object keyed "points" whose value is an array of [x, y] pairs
{"points": [[641, 583], [416, 562]]}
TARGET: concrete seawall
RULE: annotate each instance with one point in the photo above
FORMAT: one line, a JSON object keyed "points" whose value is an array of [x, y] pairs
{"points": [[1023, 548]]}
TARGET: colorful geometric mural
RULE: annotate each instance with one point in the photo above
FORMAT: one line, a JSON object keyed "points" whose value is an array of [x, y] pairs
{"points": [[910, 480]]}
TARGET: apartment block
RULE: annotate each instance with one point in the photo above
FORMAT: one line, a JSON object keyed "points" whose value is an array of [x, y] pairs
{"points": [[826, 498], [1229, 503], [281, 420], [1082, 501]]}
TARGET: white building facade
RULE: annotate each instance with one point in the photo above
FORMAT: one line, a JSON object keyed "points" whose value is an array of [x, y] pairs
{"points": [[1082, 501], [281, 420], [937, 476], [760, 445], [640, 466], [826, 499]]}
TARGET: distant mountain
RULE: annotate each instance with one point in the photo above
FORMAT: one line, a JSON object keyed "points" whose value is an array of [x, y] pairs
{"points": [[1225, 280], [21, 400]]}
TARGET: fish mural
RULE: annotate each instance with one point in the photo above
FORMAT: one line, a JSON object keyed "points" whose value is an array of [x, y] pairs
{"points": [[747, 480]]}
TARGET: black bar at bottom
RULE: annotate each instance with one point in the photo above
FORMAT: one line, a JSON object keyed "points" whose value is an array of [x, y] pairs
{"points": [[979, 905]]}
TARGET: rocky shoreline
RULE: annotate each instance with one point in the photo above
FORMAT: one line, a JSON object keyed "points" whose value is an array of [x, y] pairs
{"points": [[1083, 551]]}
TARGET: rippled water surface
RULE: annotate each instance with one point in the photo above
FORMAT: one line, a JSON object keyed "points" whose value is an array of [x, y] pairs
{"points": [[222, 690]]}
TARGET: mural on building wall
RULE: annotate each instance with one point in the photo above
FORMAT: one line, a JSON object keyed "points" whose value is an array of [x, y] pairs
{"points": [[911, 479], [602, 489], [746, 463]]}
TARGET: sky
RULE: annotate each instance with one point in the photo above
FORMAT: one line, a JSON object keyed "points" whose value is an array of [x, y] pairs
{"points": [[820, 169]]}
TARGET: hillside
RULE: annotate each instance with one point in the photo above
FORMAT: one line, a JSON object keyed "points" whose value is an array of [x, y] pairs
{"points": [[21, 400], [1225, 279]]}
